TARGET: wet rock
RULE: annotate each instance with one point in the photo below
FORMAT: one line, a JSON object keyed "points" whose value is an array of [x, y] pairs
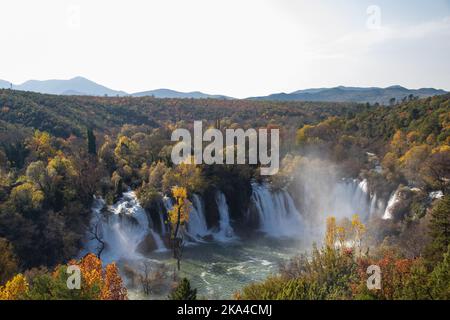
{"points": [[208, 237], [147, 245]]}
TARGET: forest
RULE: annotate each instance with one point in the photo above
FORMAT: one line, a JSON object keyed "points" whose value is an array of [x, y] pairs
{"points": [[59, 154]]}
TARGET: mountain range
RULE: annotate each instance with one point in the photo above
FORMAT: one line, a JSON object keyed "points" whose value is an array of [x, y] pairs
{"points": [[83, 86], [353, 94]]}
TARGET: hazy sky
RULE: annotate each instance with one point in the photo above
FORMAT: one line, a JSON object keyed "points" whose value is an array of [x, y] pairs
{"points": [[235, 47]]}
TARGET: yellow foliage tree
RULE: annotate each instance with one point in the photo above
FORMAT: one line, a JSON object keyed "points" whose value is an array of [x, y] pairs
{"points": [[302, 134], [186, 175], [108, 281], [60, 165], [27, 197], [41, 145], [15, 288], [358, 229], [341, 234], [398, 143], [413, 160], [126, 150], [178, 216], [331, 232]]}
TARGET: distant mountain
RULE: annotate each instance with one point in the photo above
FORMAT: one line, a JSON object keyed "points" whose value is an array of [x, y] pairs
{"points": [[82, 86], [167, 93], [4, 84], [352, 94], [75, 86]]}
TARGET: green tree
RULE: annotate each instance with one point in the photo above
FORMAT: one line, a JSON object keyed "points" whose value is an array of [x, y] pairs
{"points": [[183, 291], [439, 230], [440, 279], [53, 286]]}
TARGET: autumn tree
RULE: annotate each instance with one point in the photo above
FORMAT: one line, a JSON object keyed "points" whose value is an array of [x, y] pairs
{"points": [[398, 143], [331, 232], [126, 150], [177, 217], [27, 198], [14, 289], [358, 230], [186, 175], [112, 288], [413, 161], [41, 145], [105, 282]]}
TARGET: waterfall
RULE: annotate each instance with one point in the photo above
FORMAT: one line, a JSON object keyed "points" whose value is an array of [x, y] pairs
{"points": [[393, 200], [168, 205], [158, 241], [277, 213], [196, 226], [320, 195], [373, 205], [225, 232], [351, 197], [124, 226]]}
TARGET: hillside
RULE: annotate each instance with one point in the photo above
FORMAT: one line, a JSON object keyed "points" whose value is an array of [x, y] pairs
{"points": [[65, 115]]}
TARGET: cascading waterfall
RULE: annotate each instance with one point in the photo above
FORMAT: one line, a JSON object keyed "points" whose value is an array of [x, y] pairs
{"points": [[393, 200], [125, 225], [225, 232], [158, 241], [351, 197], [121, 229], [277, 213], [196, 226]]}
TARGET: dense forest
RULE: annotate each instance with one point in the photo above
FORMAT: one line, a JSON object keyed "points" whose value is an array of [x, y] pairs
{"points": [[57, 152]]}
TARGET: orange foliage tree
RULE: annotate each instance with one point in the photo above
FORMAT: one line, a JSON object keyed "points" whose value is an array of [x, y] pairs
{"points": [[108, 281]]}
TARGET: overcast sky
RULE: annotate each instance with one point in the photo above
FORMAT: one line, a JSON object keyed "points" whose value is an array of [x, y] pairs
{"points": [[239, 48]]}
